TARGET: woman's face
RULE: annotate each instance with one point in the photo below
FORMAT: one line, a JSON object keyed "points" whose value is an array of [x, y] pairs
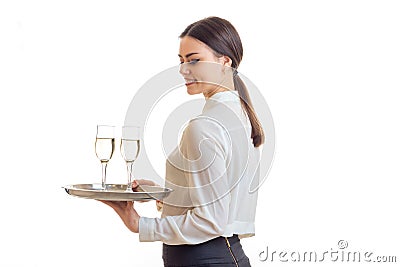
{"points": [[202, 70]]}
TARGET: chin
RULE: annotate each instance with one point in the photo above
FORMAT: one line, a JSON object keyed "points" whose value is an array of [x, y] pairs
{"points": [[191, 91]]}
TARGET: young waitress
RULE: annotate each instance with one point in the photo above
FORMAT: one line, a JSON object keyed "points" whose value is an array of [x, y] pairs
{"points": [[214, 167]]}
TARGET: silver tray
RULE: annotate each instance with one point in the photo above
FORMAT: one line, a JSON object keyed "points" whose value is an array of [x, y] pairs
{"points": [[117, 192]]}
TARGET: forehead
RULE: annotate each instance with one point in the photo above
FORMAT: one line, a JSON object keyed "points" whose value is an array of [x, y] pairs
{"points": [[189, 45]]}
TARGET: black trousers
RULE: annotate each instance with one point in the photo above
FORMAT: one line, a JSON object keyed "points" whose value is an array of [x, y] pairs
{"points": [[219, 251]]}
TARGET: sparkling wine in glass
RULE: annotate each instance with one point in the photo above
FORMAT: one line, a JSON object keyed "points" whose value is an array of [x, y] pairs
{"points": [[130, 147], [104, 146]]}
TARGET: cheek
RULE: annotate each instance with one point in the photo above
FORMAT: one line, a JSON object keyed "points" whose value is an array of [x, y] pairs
{"points": [[208, 72], [201, 70]]}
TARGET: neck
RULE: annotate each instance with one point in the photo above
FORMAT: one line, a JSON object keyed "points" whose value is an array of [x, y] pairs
{"points": [[226, 85]]}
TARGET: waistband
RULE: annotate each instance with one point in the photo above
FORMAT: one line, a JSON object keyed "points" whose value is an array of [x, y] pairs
{"points": [[232, 240], [219, 251]]}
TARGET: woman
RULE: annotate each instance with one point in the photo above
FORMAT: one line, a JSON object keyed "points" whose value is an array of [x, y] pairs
{"points": [[213, 168]]}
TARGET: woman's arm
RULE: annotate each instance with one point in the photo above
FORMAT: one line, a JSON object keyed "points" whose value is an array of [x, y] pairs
{"points": [[203, 149]]}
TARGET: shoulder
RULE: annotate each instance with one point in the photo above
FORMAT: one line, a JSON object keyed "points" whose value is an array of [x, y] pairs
{"points": [[205, 126], [208, 133]]}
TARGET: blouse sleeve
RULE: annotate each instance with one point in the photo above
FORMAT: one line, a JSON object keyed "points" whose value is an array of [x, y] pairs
{"points": [[205, 148]]}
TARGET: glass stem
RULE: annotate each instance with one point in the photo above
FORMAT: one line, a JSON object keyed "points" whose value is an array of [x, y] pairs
{"points": [[104, 174], [129, 168]]}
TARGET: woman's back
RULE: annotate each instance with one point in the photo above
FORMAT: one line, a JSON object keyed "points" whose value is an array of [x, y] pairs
{"points": [[214, 167]]}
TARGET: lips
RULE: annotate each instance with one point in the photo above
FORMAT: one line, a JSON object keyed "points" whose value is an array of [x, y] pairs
{"points": [[190, 81]]}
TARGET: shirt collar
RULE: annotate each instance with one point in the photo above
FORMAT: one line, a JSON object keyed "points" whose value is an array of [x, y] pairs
{"points": [[223, 96]]}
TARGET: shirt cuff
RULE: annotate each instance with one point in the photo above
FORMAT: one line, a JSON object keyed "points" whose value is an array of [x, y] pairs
{"points": [[147, 227]]}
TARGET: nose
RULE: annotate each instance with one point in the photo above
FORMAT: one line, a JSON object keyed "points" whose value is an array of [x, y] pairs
{"points": [[184, 69]]}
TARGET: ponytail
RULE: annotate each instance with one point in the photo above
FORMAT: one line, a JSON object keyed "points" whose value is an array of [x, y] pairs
{"points": [[257, 133]]}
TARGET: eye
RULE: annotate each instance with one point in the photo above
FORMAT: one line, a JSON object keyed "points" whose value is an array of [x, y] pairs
{"points": [[194, 61]]}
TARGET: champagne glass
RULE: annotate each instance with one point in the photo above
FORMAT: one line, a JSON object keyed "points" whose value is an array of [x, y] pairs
{"points": [[104, 146], [129, 147]]}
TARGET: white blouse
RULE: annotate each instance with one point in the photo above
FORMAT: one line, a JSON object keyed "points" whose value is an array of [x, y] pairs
{"points": [[213, 173]]}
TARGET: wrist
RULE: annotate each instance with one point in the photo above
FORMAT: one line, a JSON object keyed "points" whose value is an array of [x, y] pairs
{"points": [[135, 225]]}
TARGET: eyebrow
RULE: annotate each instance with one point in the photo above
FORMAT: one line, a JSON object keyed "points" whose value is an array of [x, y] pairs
{"points": [[188, 55]]}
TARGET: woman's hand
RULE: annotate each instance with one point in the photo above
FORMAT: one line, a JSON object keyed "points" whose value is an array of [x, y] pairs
{"points": [[127, 213], [126, 210], [137, 183]]}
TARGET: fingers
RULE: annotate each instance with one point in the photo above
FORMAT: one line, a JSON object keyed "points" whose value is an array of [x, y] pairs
{"points": [[137, 183], [117, 205], [112, 204], [108, 203], [159, 205], [143, 182]]}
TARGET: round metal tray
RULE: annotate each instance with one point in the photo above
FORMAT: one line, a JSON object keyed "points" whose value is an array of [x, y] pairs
{"points": [[117, 192]]}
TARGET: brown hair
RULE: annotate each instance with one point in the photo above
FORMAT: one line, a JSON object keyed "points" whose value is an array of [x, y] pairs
{"points": [[220, 35]]}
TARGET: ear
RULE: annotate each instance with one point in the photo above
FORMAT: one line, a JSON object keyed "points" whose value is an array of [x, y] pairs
{"points": [[226, 61]]}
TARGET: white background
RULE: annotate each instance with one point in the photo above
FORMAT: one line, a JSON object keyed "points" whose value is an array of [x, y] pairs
{"points": [[329, 71]]}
